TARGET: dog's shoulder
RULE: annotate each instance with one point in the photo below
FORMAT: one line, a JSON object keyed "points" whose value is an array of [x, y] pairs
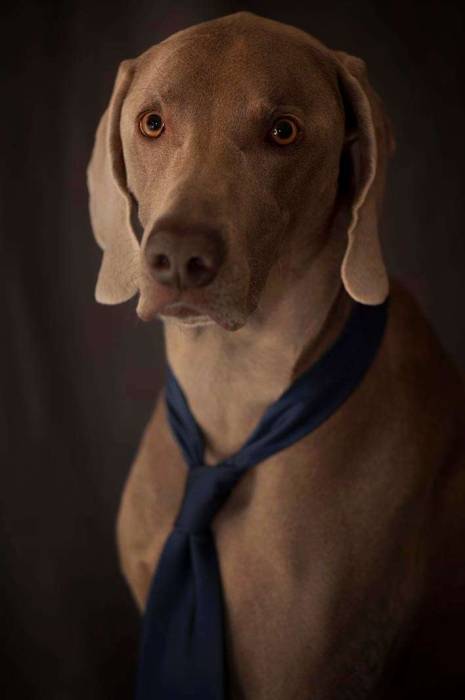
{"points": [[416, 394], [150, 496], [430, 398], [417, 360]]}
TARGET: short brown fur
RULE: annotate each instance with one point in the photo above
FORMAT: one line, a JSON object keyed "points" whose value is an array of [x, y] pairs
{"points": [[341, 557]]}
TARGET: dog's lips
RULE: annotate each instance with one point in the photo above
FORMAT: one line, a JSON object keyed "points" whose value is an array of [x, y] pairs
{"points": [[180, 310], [198, 315], [186, 312]]}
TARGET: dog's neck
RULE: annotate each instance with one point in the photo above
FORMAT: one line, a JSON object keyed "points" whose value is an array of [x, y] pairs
{"points": [[230, 378]]}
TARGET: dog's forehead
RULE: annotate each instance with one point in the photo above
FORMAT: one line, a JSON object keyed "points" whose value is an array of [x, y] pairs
{"points": [[256, 61]]}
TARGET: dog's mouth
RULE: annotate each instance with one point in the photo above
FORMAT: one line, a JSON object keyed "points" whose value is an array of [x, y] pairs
{"points": [[185, 314]]}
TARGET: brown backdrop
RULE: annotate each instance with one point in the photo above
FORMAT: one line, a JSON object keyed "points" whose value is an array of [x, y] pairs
{"points": [[78, 380]]}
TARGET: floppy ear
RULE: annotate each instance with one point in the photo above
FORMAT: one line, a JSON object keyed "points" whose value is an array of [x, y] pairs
{"points": [[110, 203], [371, 142]]}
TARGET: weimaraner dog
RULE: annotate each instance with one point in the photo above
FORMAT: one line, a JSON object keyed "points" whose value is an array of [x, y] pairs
{"points": [[253, 158]]}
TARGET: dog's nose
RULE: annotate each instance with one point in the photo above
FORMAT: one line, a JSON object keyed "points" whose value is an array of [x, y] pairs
{"points": [[184, 259]]}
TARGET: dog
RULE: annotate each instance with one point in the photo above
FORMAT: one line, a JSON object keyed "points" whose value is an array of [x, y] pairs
{"points": [[253, 160]]}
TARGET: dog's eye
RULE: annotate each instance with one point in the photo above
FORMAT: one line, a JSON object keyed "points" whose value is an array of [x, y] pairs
{"points": [[151, 124], [284, 131]]}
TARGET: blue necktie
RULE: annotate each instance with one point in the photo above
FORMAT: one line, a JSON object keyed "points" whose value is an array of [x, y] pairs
{"points": [[182, 653]]}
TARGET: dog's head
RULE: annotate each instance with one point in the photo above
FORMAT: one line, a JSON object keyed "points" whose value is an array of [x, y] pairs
{"points": [[235, 145]]}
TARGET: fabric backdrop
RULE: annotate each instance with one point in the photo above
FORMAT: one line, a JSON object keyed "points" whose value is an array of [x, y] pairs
{"points": [[78, 380]]}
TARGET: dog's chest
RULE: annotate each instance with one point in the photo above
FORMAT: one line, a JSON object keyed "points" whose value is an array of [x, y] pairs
{"points": [[276, 537], [269, 561]]}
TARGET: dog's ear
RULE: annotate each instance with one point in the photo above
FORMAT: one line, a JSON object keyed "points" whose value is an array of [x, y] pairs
{"points": [[370, 142], [110, 202]]}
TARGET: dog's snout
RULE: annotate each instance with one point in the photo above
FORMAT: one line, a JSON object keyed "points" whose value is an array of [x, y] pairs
{"points": [[183, 258]]}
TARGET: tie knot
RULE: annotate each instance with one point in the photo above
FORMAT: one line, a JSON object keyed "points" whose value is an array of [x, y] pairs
{"points": [[206, 490]]}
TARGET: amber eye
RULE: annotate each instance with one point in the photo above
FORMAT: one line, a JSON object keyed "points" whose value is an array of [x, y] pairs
{"points": [[151, 124], [284, 131]]}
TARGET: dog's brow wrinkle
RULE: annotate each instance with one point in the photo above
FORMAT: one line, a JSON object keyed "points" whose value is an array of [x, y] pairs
{"points": [[156, 96], [266, 108], [168, 96], [261, 108]]}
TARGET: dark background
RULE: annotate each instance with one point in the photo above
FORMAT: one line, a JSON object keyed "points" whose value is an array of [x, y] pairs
{"points": [[78, 380]]}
